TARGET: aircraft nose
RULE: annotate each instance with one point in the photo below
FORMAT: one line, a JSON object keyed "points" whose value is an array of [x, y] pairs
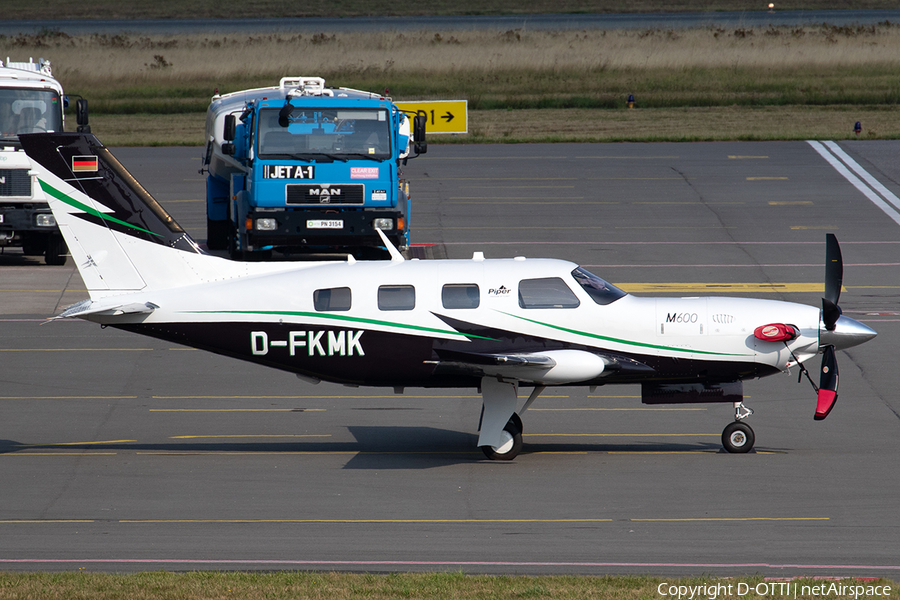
{"points": [[847, 333]]}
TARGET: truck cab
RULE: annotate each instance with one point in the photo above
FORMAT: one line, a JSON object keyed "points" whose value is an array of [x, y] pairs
{"points": [[303, 168], [31, 101]]}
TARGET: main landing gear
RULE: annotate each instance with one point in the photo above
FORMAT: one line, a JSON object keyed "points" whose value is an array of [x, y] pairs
{"points": [[738, 437], [511, 441], [501, 427]]}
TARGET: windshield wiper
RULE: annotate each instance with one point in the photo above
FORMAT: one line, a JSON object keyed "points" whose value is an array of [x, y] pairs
{"points": [[366, 156], [307, 155]]}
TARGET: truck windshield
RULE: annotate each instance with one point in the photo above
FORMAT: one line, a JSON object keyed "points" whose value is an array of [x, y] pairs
{"points": [[343, 134], [29, 111], [600, 291]]}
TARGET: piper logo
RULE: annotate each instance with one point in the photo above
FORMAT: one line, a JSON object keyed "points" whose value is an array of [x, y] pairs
{"points": [[310, 343], [500, 291]]}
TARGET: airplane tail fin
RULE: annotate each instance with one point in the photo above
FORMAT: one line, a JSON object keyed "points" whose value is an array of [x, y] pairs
{"points": [[121, 238]]}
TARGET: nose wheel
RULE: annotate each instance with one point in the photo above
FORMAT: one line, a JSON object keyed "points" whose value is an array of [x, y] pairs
{"points": [[738, 437]]}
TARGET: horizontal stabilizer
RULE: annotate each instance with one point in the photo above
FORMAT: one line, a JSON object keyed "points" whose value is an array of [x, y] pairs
{"points": [[89, 307]]}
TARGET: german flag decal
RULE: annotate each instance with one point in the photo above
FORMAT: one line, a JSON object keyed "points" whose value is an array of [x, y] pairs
{"points": [[84, 163]]}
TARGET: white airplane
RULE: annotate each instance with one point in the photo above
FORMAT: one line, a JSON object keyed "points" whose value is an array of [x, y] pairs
{"points": [[492, 324]]}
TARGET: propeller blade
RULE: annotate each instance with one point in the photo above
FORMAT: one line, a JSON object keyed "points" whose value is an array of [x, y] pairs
{"points": [[828, 384], [834, 269], [831, 312]]}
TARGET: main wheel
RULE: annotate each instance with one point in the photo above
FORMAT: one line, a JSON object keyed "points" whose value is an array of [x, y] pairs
{"points": [[516, 420], [738, 437], [511, 443]]}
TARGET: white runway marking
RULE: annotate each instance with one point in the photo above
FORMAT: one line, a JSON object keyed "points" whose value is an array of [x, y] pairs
{"points": [[871, 188]]}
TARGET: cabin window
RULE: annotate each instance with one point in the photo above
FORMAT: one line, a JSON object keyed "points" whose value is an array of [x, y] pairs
{"points": [[546, 292], [396, 297], [460, 295], [332, 299], [602, 292]]}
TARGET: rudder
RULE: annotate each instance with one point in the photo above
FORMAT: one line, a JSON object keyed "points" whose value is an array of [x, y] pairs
{"points": [[120, 237]]}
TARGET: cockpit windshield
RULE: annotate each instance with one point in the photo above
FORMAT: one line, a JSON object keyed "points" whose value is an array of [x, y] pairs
{"points": [[29, 111], [600, 291], [341, 134]]}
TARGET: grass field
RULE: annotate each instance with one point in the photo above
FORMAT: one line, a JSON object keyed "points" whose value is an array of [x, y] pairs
{"points": [[690, 84], [433, 586]]}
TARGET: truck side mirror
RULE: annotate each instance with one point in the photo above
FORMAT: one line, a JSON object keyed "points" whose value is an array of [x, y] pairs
{"points": [[81, 116], [284, 115], [228, 149], [421, 146], [230, 125]]}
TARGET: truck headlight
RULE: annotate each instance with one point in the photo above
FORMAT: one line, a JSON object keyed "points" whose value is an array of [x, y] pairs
{"points": [[266, 224], [383, 224], [44, 220]]}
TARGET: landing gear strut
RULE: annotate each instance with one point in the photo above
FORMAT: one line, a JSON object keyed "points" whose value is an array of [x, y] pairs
{"points": [[738, 437]]}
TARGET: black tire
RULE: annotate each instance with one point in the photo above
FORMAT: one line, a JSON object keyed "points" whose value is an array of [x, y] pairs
{"points": [[217, 234], [34, 246], [738, 438], [56, 251], [516, 420], [512, 444]]}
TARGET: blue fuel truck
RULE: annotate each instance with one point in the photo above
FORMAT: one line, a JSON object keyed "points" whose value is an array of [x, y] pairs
{"points": [[303, 168]]}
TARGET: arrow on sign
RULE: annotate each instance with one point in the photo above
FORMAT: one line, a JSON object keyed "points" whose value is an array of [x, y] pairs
{"points": [[444, 116]]}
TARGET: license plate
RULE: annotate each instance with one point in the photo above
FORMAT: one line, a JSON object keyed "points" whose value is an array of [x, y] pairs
{"points": [[325, 224]]}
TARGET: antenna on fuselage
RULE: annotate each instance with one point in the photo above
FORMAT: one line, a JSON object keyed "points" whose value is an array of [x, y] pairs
{"points": [[392, 250]]}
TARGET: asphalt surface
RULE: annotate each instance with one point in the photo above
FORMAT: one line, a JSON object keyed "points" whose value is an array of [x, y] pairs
{"points": [[121, 453]]}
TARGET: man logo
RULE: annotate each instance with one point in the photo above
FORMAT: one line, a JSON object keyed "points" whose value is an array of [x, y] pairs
{"points": [[324, 192]]}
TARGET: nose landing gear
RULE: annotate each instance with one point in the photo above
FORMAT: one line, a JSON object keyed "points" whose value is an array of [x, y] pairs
{"points": [[738, 437]]}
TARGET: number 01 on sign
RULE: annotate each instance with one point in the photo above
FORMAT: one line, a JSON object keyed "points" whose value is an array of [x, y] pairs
{"points": [[444, 116]]}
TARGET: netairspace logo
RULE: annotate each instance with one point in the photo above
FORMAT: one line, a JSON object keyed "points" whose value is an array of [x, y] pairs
{"points": [[787, 589]]}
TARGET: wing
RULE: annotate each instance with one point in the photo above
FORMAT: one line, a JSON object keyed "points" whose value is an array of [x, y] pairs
{"points": [[548, 367]]}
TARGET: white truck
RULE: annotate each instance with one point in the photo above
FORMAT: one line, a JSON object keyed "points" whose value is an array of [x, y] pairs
{"points": [[31, 101]]}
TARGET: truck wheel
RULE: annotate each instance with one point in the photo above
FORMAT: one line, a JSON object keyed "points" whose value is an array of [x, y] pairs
{"points": [[217, 234], [34, 247], [56, 251]]}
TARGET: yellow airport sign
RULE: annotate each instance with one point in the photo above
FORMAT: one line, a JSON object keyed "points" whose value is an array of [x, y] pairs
{"points": [[444, 116]]}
